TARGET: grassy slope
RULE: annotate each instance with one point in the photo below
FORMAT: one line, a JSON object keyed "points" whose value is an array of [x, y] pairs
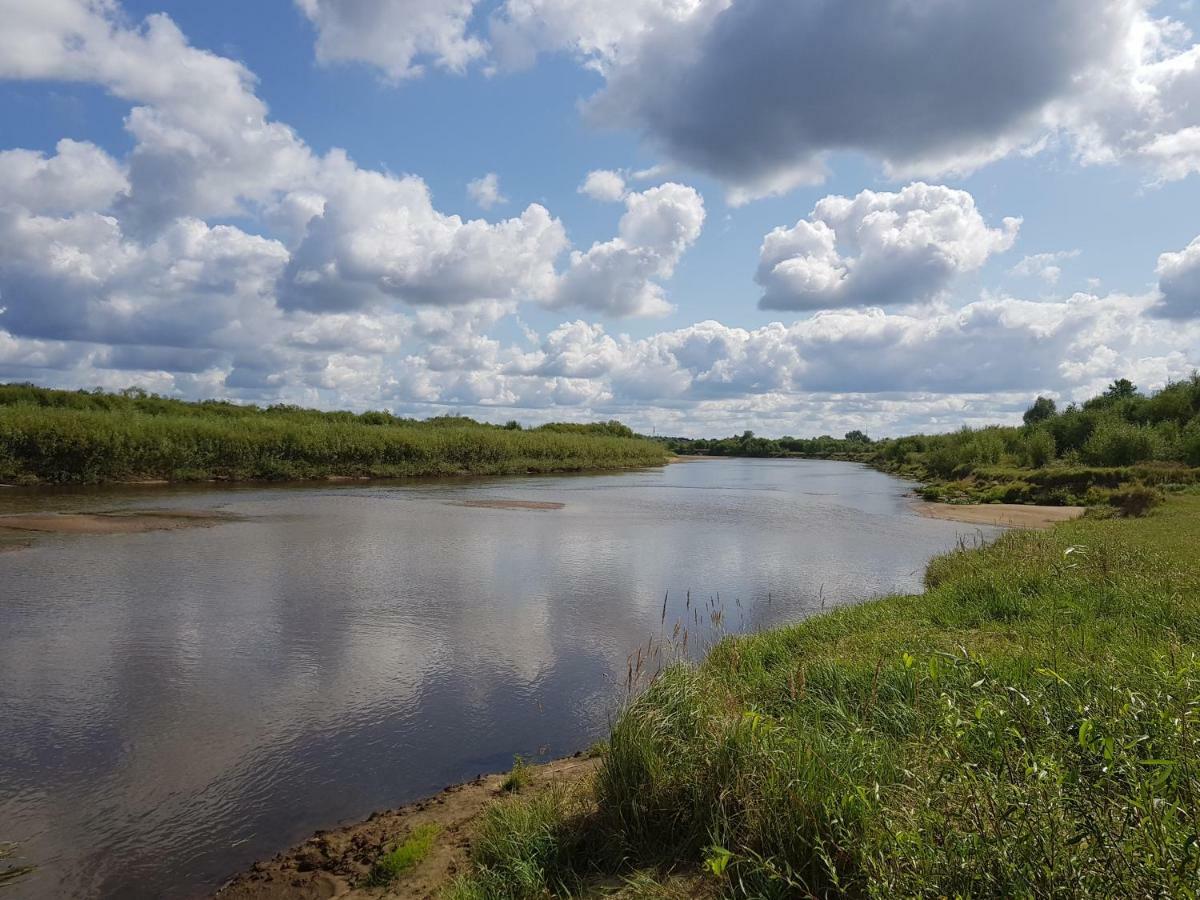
{"points": [[1028, 726], [48, 444]]}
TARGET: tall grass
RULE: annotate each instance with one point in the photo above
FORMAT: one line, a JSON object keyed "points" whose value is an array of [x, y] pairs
{"points": [[1030, 726], [57, 436]]}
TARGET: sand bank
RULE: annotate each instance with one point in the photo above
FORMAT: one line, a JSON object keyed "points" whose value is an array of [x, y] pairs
{"points": [[117, 522], [1008, 515], [508, 504]]}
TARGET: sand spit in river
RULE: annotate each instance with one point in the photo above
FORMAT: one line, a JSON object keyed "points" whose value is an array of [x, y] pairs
{"points": [[116, 522], [1007, 515], [508, 504]]}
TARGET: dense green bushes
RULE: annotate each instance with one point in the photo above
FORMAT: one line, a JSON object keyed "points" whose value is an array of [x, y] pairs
{"points": [[1030, 726], [1056, 457], [59, 436]]}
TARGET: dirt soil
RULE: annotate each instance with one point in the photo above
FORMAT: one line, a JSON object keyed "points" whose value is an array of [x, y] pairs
{"points": [[116, 522], [334, 864], [1008, 515], [508, 504]]}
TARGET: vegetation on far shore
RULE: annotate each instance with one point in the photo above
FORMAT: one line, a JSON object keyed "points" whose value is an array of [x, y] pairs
{"points": [[89, 437], [1092, 453], [1029, 726]]}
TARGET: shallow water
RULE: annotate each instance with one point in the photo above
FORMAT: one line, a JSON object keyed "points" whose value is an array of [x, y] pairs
{"points": [[175, 705]]}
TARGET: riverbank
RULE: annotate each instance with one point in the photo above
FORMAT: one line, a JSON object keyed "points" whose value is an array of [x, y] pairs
{"points": [[1025, 726], [339, 863]]}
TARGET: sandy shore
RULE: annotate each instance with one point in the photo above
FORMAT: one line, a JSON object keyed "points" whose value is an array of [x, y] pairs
{"points": [[1008, 515], [120, 522], [334, 864]]}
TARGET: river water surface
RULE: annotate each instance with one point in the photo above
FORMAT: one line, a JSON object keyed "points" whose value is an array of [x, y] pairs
{"points": [[175, 705]]}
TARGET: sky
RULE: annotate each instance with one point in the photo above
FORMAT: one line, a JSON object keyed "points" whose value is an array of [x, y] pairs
{"points": [[696, 216]]}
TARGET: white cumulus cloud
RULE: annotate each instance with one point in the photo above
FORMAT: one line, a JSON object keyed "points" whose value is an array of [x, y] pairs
{"points": [[604, 185], [878, 248], [1179, 283], [621, 277], [485, 191]]}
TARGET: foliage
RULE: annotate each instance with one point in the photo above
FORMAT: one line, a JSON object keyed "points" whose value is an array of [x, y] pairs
{"points": [[1135, 501], [1056, 457], [518, 776], [90, 437], [1043, 408], [411, 851], [1030, 726]]}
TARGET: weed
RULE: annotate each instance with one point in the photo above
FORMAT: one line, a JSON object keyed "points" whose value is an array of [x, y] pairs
{"points": [[518, 776], [411, 851]]}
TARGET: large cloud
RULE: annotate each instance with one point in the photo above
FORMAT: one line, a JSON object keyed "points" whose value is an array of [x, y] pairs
{"points": [[764, 93], [617, 277], [878, 248], [759, 93], [1179, 283], [203, 143], [378, 237]]}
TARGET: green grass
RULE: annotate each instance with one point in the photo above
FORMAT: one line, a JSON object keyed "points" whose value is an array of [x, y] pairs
{"points": [[395, 863], [70, 437], [1029, 726], [518, 776]]}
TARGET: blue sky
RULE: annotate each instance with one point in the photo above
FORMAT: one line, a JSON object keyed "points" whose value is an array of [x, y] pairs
{"points": [[167, 248]]}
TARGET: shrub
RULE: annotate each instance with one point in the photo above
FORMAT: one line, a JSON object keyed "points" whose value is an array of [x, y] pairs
{"points": [[1117, 443], [1135, 501], [1038, 448]]}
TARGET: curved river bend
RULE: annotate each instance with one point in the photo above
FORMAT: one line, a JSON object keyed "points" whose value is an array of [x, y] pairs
{"points": [[175, 705]]}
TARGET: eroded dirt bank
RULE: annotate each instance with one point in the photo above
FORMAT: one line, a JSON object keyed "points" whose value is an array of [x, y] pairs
{"points": [[336, 863]]}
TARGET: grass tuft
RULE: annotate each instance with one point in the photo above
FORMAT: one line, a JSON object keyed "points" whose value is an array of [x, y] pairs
{"points": [[396, 862], [518, 776]]}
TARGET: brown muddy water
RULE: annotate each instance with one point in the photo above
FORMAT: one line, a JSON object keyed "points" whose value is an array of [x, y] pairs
{"points": [[175, 704]]}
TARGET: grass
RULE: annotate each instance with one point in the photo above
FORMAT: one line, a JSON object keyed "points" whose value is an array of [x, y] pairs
{"points": [[79, 437], [1029, 726], [395, 863], [518, 776]]}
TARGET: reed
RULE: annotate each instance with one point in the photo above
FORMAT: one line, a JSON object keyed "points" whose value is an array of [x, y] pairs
{"points": [[64, 437]]}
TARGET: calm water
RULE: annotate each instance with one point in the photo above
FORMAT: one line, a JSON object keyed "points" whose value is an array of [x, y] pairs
{"points": [[175, 705]]}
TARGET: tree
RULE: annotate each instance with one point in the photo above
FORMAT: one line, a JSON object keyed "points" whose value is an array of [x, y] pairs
{"points": [[857, 437], [1121, 389], [1043, 408]]}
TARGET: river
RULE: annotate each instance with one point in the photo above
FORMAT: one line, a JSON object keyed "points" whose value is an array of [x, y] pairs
{"points": [[177, 704]]}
